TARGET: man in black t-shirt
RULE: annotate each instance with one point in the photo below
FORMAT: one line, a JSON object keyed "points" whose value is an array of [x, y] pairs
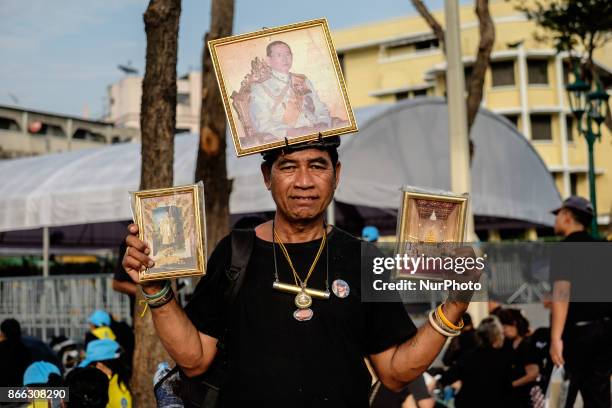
{"points": [[580, 330], [280, 355]]}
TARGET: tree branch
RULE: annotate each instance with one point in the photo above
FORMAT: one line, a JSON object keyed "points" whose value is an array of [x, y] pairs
{"points": [[431, 21], [483, 55]]}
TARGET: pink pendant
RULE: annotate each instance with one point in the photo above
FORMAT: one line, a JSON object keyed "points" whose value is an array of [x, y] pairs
{"points": [[303, 315]]}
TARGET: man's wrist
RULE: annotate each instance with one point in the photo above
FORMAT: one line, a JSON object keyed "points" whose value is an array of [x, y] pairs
{"points": [[454, 310], [152, 288]]}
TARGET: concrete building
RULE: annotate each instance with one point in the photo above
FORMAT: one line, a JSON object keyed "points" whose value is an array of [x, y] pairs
{"points": [[25, 132], [124, 102], [400, 58]]}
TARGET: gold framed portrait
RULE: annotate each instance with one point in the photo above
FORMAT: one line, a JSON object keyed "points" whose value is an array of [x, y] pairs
{"points": [[430, 218], [281, 86], [429, 224], [171, 222]]}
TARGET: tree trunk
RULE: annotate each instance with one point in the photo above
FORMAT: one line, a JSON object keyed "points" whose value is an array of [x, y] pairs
{"points": [[157, 125], [211, 165], [483, 56], [431, 21]]}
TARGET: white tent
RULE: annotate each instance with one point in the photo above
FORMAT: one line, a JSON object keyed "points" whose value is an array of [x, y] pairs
{"points": [[407, 143], [404, 143]]}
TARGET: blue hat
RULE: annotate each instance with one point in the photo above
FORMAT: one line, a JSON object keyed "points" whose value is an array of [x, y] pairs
{"points": [[100, 350], [576, 203], [38, 373], [370, 233], [99, 318]]}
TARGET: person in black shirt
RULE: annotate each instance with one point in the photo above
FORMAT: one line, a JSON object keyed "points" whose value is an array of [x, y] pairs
{"points": [[14, 355], [484, 372], [278, 355], [465, 342], [580, 330], [525, 368], [415, 394]]}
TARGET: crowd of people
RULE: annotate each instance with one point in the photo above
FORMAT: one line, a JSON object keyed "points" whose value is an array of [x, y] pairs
{"points": [[500, 363], [317, 355], [96, 370]]}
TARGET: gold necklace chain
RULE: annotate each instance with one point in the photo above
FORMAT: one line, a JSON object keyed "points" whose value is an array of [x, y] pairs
{"points": [[296, 277]]}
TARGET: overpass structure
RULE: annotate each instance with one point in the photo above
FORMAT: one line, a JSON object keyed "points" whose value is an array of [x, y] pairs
{"points": [[25, 132]]}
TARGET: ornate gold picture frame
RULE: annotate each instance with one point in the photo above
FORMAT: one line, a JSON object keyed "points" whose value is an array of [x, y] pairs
{"points": [[431, 218], [171, 222], [282, 86], [429, 223]]}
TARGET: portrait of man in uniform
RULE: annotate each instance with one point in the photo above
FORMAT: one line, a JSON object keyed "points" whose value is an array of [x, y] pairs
{"points": [[282, 85], [287, 104]]}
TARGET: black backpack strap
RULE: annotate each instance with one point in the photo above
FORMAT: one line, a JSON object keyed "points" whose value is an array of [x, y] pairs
{"points": [[242, 247]]}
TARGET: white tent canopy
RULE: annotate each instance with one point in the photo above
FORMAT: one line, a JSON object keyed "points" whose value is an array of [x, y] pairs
{"points": [[407, 143], [404, 143]]}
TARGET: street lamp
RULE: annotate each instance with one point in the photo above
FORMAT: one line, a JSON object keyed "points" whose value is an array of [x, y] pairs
{"points": [[593, 104]]}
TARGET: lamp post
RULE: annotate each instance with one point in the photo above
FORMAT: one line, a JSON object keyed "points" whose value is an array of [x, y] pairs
{"points": [[590, 106]]}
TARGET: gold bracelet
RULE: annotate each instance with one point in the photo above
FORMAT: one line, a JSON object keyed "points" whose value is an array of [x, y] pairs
{"points": [[447, 322], [436, 326]]}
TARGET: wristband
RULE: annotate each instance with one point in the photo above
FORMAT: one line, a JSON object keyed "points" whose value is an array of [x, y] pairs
{"points": [[162, 292], [162, 301], [439, 328], [447, 322]]}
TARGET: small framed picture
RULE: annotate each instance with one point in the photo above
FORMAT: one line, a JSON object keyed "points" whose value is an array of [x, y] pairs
{"points": [[429, 224], [281, 86], [171, 222]]}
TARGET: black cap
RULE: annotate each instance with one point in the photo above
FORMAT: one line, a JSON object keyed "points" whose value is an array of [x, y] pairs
{"points": [[327, 143], [576, 203]]}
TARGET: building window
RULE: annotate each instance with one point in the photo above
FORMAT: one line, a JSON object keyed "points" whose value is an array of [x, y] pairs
{"points": [[54, 130], [86, 134], [541, 127], [537, 71], [39, 128], [341, 62], [569, 126], [427, 44], [513, 119], [409, 46], [573, 184], [420, 92], [9, 124], [502, 73], [183, 99], [401, 95]]}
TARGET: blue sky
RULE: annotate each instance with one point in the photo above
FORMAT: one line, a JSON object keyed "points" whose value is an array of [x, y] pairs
{"points": [[61, 55]]}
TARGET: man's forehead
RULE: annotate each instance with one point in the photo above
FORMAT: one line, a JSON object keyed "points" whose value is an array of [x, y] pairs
{"points": [[279, 48], [305, 155]]}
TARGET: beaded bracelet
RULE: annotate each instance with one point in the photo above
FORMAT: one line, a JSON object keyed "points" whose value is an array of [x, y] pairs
{"points": [[161, 301], [162, 292]]}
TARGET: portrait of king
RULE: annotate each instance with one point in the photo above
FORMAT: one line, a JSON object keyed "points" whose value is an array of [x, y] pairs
{"points": [[275, 103]]}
